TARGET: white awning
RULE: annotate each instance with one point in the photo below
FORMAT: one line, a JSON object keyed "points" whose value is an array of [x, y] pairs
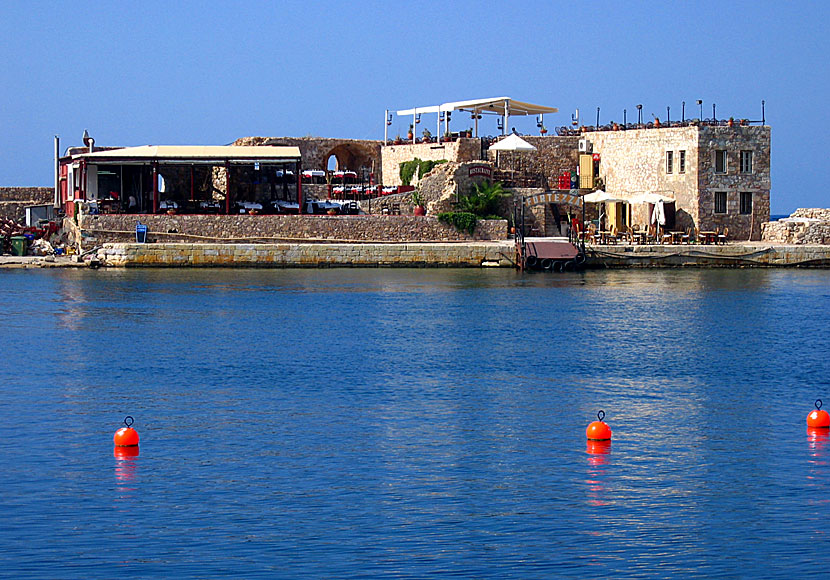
{"points": [[195, 153], [494, 106]]}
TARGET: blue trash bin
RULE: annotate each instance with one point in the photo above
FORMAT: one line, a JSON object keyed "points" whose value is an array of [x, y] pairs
{"points": [[140, 233]]}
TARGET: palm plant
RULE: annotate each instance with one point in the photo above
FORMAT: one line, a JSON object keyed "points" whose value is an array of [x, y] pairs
{"points": [[483, 199]]}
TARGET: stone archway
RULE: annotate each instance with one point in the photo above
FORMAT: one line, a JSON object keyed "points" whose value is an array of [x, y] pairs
{"points": [[548, 210], [350, 156], [557, 197]]}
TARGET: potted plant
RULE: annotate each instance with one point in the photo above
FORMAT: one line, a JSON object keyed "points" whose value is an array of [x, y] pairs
{"points": [[447, 137], [418, 201], [427, 136], [410, 134], [731, 121], [543, 130], [398, 139]]}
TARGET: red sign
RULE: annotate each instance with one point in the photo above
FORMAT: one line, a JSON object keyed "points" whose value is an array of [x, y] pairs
{"points": [[481, 171], [596, 156]]}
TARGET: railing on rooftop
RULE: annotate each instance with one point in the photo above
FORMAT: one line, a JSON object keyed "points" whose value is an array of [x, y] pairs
{"points": [[566, 131]]}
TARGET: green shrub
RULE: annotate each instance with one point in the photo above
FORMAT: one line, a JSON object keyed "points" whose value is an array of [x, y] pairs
{"points": [[463, 221], [422, 167], [483, 199], [408, 169], [426, 166]]}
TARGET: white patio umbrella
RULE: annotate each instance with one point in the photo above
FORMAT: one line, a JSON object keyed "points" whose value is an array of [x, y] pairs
{"points": [[600, 196], [651, 198], [658, 216], [512, 143]]}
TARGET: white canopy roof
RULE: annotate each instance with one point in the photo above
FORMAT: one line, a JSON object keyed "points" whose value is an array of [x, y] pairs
{"points": [[196, 152], [494, 105], [512, 143]]}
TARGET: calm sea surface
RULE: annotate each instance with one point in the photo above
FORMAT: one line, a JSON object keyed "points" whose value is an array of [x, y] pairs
{"points": [[413, 423]]}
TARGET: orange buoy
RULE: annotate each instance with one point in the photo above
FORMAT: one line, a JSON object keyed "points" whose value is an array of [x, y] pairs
{"points": [[598, 430], [126, 436], [598, 447], [121, 452], [817, 417]]}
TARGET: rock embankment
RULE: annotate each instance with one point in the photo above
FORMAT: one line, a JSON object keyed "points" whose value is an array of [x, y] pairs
{"points": [[806, 226]]}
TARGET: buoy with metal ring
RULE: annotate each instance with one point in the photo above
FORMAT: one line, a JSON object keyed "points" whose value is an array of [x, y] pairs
{"points": [[126, 436], [599, 430], [817, 417]]}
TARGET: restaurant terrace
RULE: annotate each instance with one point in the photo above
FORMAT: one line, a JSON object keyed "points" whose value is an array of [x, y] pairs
{"points": [[186, 179]]}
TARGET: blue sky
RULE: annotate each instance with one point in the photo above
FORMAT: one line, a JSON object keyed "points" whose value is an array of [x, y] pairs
{"points": [[208, 73]]}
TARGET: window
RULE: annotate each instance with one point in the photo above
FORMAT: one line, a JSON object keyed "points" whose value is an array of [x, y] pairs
{"points": [[746, 161], [720, 161], [681, 162], [720, 202], [746, 202], [669, 161]]}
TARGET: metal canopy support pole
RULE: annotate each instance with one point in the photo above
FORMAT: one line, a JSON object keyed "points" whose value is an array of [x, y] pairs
{"points": [[504, 129], [438, 126], [386, 127], [192, 192], [155, 187], [475, 116], [227, 187], [56, 202], [298, 170], [414, 119]]}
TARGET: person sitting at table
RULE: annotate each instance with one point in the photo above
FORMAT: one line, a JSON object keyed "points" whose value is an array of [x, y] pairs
{"points": [[132, 204]]}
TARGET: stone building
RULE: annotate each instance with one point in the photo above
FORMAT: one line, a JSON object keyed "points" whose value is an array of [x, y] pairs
{"points": [[717, 176]]}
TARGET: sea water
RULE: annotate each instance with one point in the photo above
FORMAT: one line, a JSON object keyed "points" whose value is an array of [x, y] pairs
{"points": [[386, 423]]}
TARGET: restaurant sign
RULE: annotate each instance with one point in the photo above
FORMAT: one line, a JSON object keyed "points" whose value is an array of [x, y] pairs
{"points": [[481, 171]]}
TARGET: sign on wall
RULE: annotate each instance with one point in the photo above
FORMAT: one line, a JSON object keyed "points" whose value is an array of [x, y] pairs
{"points": [[481, 171]]}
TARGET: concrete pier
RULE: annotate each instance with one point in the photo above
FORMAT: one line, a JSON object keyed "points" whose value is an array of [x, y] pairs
{"points": [[457, 254]]}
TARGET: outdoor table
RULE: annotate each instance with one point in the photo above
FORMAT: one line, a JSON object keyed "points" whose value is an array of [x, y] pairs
{"points": [[638, 237], [677, 237], [708, 237]]}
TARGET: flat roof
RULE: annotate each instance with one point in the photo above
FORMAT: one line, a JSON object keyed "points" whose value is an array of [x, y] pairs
{"points": [[196, 153]]}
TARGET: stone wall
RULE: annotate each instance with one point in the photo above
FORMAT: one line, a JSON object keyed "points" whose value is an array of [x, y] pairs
{"points": [[352, 154], [459, 150], [553, 156], [633, 162], [99, 229], [14, 200], [806, 226], [734, 140], [812, 213], [472, 254]]}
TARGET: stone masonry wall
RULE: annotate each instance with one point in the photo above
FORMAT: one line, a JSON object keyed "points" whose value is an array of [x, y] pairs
{"points": [[352, 154], [553, 156], [805, 226], [473, 254], [14, 200], [734, 140], [99, 229], [633, 162], [459, 150]]}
